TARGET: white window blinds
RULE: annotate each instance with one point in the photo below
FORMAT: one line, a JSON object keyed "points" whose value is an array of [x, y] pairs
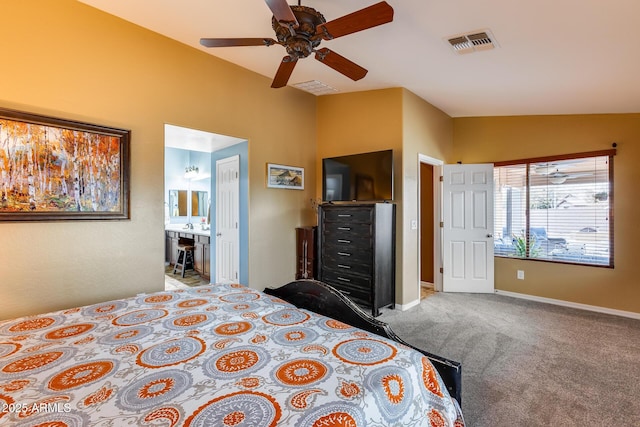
{"points": [[555, 210]]}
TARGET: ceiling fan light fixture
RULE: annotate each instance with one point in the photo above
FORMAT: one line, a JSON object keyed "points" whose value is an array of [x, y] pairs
{"points": [[557, 179]]}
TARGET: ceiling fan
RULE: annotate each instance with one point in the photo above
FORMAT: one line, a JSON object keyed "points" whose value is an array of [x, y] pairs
{"points": [[560, 177], [552, 171], [300, 29]]}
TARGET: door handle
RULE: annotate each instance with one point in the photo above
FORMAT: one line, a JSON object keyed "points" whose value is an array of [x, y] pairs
{"points": [[218, 234], [489, 235]]}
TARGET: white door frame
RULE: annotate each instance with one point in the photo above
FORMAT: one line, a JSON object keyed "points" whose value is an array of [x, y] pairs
{"points": [[437, 216]]}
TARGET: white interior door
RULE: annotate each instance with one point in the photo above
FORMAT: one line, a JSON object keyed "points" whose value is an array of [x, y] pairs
{"points": [[468, 228], [227, 218]]}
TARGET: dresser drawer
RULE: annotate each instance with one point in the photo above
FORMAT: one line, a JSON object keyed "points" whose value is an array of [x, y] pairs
{"points": [[358, 287], [348, 229], [347, 241], [348, 266], [355, 294], [202, 239], [348, 214], [346, 279], [347, 253]]}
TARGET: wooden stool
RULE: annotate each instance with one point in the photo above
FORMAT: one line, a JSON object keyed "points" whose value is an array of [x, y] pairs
{"points": [[185, 259]]}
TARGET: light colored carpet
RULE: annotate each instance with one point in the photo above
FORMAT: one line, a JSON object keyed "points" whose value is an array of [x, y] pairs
{"points": [[526, 363]]}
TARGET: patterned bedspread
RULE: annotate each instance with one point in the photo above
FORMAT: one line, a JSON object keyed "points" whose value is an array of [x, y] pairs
{"points": [[220, 355]]}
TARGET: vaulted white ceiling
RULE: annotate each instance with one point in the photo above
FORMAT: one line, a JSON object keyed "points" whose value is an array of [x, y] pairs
{"points": [[552, 56]]}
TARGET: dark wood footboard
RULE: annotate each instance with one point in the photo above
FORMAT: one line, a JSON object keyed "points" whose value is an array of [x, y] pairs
{"points": [[325, 300]]}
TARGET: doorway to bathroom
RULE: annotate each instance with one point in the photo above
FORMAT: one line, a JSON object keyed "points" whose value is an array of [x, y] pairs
{"points": [[190, 202]]}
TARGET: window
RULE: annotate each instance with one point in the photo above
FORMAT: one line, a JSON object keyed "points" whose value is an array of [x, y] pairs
{"points": [[556, 210]]}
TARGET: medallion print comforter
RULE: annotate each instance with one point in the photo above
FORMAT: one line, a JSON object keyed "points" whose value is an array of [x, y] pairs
{"points": [[219, 355]]}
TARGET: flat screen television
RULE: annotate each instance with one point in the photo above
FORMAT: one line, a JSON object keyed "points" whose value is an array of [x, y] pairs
{"points": [[358, 177]]}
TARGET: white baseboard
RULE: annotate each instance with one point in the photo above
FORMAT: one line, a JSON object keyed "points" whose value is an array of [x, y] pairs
{"points": [[405, 307], [588, 307], [595, 308]]}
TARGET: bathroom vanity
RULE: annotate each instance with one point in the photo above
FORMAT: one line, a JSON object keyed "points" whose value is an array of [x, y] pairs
{"points": [[200, 239]]}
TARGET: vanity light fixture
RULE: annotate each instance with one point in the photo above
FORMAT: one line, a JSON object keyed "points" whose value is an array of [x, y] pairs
{"points": [[190, 172]]}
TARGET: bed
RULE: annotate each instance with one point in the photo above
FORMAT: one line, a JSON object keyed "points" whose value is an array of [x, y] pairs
{"points": [[220, 355]]}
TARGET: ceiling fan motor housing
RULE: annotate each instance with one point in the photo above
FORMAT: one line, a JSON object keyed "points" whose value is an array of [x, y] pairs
{"points": [[300, 41]]}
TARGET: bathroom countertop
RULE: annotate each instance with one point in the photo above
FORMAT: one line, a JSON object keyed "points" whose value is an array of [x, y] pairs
{"points": [[197, 229]]}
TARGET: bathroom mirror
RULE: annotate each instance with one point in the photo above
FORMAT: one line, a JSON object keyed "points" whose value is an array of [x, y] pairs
{"points": [[199, 203], [177, 203]]}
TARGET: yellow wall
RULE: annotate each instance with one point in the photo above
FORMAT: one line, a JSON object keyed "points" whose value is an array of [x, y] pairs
{"points": [[491, 139], [68, 60], [358, 122], [388, 119], [427, 131]]}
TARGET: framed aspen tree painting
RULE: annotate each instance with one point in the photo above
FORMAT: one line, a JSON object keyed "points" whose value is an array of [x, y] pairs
{"points": [[54, 169]]}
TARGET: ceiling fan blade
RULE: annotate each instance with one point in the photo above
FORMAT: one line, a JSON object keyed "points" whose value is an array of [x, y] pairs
{"points": [[284, 72], [237, 42], [340, 64], [580, 174], [372, 16], [282, 12]]}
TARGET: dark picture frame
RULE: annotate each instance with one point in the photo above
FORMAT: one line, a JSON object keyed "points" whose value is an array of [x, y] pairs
{"points": [[52, 169]]}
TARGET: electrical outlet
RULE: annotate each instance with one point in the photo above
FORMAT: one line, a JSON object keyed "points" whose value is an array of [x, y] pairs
{"points": [[520, 274]]}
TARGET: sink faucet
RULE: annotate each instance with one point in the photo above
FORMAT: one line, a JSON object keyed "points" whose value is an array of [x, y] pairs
{"points": [[189, 226]]}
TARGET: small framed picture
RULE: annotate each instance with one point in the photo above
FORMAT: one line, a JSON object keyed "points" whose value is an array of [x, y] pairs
{"points": [[288, 177]]}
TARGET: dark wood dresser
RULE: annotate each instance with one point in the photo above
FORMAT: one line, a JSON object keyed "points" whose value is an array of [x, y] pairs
{"points": [[356, 251], [306, 253]]}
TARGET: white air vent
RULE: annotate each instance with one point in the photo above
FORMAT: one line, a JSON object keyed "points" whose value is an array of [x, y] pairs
{"points": [[472, 42], [315, 87]]}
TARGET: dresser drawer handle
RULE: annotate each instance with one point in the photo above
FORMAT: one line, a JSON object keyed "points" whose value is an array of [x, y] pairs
{"points": [[342, 279], [344, 241], [344, 228], [348, 267], [343, 254], [344, 215]]}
